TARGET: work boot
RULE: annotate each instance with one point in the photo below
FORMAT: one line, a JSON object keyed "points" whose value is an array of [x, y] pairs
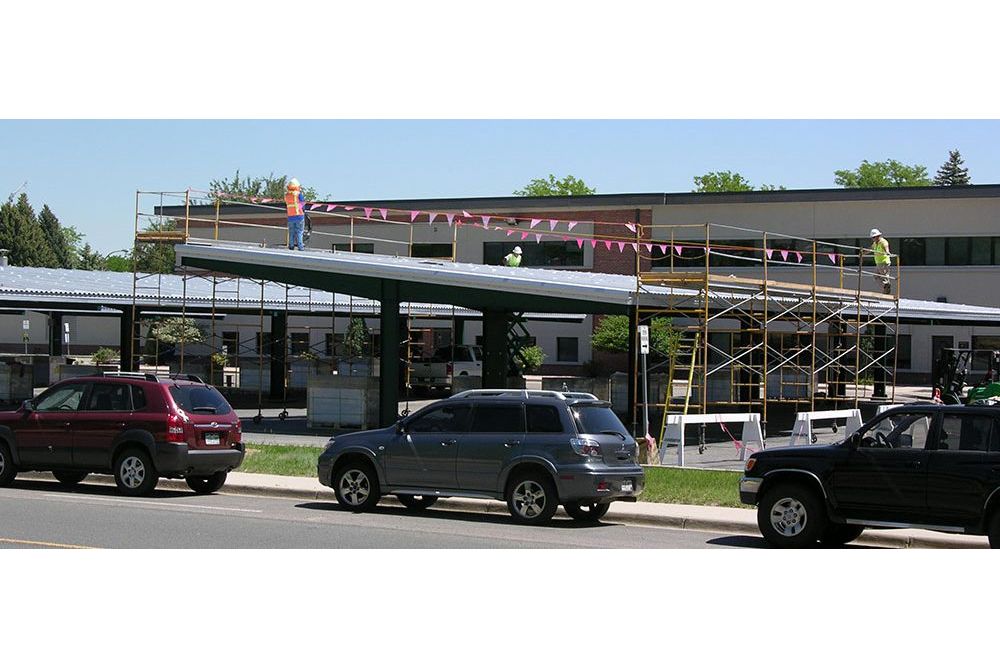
{"points": [[886, 288]]}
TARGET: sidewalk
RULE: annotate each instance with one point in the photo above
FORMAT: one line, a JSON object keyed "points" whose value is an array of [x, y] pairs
{"points": [[670, 515]]}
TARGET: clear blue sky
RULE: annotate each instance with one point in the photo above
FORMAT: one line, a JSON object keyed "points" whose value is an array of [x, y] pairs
{"points": [[88, 171]]}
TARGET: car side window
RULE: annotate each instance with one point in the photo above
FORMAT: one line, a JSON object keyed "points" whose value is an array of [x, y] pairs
{"points": [[108, 397], [443, 419], [498, 418], [543, 419], [138, 398], [965, 433], [63, 398], [899, 431]]}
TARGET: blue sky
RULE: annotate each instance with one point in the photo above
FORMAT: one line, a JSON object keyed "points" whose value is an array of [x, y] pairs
{"points": [[88, 171]]}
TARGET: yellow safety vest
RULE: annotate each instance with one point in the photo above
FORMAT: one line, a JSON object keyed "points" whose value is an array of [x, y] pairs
{"points": [[881, 250]]}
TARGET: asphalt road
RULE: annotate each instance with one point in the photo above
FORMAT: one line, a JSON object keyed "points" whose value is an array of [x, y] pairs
{"points": [[44, 515]]}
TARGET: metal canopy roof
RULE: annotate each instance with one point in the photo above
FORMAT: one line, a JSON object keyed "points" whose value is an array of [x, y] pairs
{"points": [[478, 286], [40, 288]]}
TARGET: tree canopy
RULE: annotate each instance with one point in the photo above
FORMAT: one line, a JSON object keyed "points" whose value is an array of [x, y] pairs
{"points": [[613, 331], [552, 187], [269, 186], [952, 172], [727, 182], [886, 174]]}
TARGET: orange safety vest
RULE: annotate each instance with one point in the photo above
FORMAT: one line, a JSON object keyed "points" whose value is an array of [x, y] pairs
{"points": [[292, 205]]}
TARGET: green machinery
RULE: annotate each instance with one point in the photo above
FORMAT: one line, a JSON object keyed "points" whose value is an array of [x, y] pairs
{"points": [[953, 367]]}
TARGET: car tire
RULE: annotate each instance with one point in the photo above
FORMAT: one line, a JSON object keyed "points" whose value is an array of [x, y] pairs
{"points": [[591, 512], [356, 487], [837, 535], [69, 478], [7, 468], [207, 484], [993, 530], [135, 474], [532, 498], [416, 502], [791, 515]]}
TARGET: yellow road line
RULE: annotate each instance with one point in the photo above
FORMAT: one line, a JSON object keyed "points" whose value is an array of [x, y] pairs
{"points": [[41, 543]]}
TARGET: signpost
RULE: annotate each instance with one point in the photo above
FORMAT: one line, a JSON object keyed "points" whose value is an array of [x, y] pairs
{"points": [[25, 325], [644, 351]]}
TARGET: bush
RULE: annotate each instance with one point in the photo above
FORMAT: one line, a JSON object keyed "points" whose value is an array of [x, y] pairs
{"points": [[104, 355], [530, 359], [220, 360]]}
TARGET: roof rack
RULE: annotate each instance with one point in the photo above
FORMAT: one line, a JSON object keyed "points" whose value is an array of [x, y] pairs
{"points": [[524, 394], [185, 376], [151, 376]]}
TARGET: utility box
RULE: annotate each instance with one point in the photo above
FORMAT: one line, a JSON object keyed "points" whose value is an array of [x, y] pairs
{"points": [[342, 402]]}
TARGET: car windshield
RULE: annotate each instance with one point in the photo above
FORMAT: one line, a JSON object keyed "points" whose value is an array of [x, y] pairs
{"points": [[597, 420], [199, 399]]}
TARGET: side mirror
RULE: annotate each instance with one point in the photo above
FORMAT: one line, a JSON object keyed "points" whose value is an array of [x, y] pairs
{"points": [[853, 441], [28, 406], [400, 427]]}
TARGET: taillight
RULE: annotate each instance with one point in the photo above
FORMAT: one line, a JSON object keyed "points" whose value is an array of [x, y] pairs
{"points": [[175, 429], [750, 464], [239, 431], [449, 368], [586, 447]]}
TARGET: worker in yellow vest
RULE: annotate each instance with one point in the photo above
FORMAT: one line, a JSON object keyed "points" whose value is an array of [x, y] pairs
{"points": [[295, 203], [513, 259], [883, 259]]}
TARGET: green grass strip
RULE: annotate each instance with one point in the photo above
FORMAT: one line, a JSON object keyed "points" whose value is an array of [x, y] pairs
{"points": [[293, 460]]}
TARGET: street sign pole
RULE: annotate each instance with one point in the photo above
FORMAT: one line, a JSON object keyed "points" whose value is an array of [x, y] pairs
{"points": [[644, 351], [25, 325]]}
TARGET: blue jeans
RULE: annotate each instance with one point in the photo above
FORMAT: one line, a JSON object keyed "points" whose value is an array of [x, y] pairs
{"points": [[295, 228]]}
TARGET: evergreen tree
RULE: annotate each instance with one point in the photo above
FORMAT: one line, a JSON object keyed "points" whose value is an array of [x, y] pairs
{"points": [[22, 236], [952, 173], [90, 259], [56, 239]]}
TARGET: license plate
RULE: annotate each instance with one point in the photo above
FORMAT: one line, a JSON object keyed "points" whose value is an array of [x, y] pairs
{"points": [[627, 486], [212, 439]]}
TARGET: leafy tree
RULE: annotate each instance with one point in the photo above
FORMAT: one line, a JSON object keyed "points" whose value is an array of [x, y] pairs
{"points": [[887, 174], [57, 241], [156, 258], [22, 236], [357, 339], [74, 241], [569, 185], [176, 330], [90, 259], [952, 172], [529, 359], [104, 355], [721, 182], [117, 263], [613, 332], [259, 186]]}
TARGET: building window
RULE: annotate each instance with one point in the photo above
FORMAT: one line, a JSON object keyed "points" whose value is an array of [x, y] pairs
{"points": [[299, 342], [358, 248], [981, 252], [903, 351], [956, 251], [442, 251], [231, 343], [912, 252], [544, 254], [567, 349], [935, 252]]}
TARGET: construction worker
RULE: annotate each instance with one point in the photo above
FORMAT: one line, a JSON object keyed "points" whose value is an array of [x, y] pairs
{"points": [[513, 259], [883, 259], [295, 208]]}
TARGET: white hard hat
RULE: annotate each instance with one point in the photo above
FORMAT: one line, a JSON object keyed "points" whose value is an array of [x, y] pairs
{"points": [[517, 250], [875, 232], [293, 183]]}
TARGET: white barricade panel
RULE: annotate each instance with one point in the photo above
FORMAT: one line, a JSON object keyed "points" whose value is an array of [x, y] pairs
{"points": [[673, 434], [802, 431]]}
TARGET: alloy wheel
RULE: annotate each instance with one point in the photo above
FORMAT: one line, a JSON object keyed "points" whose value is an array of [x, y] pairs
{"points": [[355, 487], [529, 499], [132, 472], [788, 516]]}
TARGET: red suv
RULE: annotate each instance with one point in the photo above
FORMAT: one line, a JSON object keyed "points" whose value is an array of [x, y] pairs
{"points": [[137, 426]]}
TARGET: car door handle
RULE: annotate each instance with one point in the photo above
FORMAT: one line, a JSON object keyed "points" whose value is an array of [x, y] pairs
{"points": [[915, 464], [447, 443], [67, 425], [511, 444]]}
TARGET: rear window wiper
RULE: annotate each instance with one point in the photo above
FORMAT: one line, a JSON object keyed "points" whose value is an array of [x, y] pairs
{"points": [[612, 432], [210, 409]]}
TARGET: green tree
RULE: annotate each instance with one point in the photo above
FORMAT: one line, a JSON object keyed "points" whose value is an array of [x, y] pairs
{"points": [[529, 359], [259, 186], [569, 185], [357, 339], [90, 259], [117, 263], [57, 241], [74, 241], [613, 332], [176, 330], [721, 182], [156, 258], [952, 172], [22, 236], [887, 174]]}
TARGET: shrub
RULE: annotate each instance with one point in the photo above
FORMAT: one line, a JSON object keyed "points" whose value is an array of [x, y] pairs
{"points": [[104, 355]]}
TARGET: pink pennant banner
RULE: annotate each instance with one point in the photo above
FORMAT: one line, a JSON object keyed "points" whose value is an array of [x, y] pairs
{"points": [[663, 248], [607, 244], [350, 208], [466, 214], [564, 238], [593, 243], [266, 200], [784, 255], [571, 225], [635, 246], [679, 249], [524, 235], [486, 222], [534, 221], [413, 215], [385, 213], [314, 206], [648, 247], [630, 226], [431, 217], [833, 257], [510, 232], [552, 224], [621, 246], [331, 207], [768, 252], [368, 212], [579, 243], [798, 256], [450, 217], [538, 238]]}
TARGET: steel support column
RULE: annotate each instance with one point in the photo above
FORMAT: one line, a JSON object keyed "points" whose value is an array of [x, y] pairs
{"points": [[56, 335], [495, 348], [389, 338], [128, 335], [278, 350], [879, 349], [633, 359]]}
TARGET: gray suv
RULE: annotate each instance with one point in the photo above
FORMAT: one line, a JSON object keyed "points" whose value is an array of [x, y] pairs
{"points": [[535, 450]]}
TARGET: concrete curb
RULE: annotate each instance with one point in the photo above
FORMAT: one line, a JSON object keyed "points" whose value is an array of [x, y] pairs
{"points": [[875, 537]]}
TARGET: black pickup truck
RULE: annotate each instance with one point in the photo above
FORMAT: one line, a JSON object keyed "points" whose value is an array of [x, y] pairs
{"points": [[917, 466]]}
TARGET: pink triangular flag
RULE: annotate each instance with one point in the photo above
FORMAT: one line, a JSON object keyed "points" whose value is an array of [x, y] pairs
{"points": [[524, 235], [535, 221], [314, 206], [266, 200], [579, 243], [385, 214], [649, 248], [607, 244], [413, 215], [630, 226], [593, 243], [768, 252], [350, 208], [486, 222], [571, 225], [431, 217], [784, 255], [635, 246], [368, 212], [466, 214], [663, 248], [450, 217], [621, 246], [510, 232], [538, 238], [798, 256], [331, 207], [565, 238], [679, 249], [552, 224], [833, 257]]}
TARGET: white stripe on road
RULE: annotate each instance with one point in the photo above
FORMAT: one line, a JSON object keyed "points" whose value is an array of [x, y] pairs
{"points": [[80, 497]]}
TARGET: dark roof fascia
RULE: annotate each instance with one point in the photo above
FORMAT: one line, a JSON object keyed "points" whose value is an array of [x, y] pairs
{"points": [[627, 200]]}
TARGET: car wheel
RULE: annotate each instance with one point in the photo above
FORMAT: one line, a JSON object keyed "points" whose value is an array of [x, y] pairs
{"points": [[7, 470], [532, 498], [993, 532], [134, 473], [356, 487], [590, 512], [207, 484], [836, 535], [416, 502], [69, 478], [791, 515]]}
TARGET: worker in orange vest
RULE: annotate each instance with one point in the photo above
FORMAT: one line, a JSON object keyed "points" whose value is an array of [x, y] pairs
{"points": [[295, 203]]}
